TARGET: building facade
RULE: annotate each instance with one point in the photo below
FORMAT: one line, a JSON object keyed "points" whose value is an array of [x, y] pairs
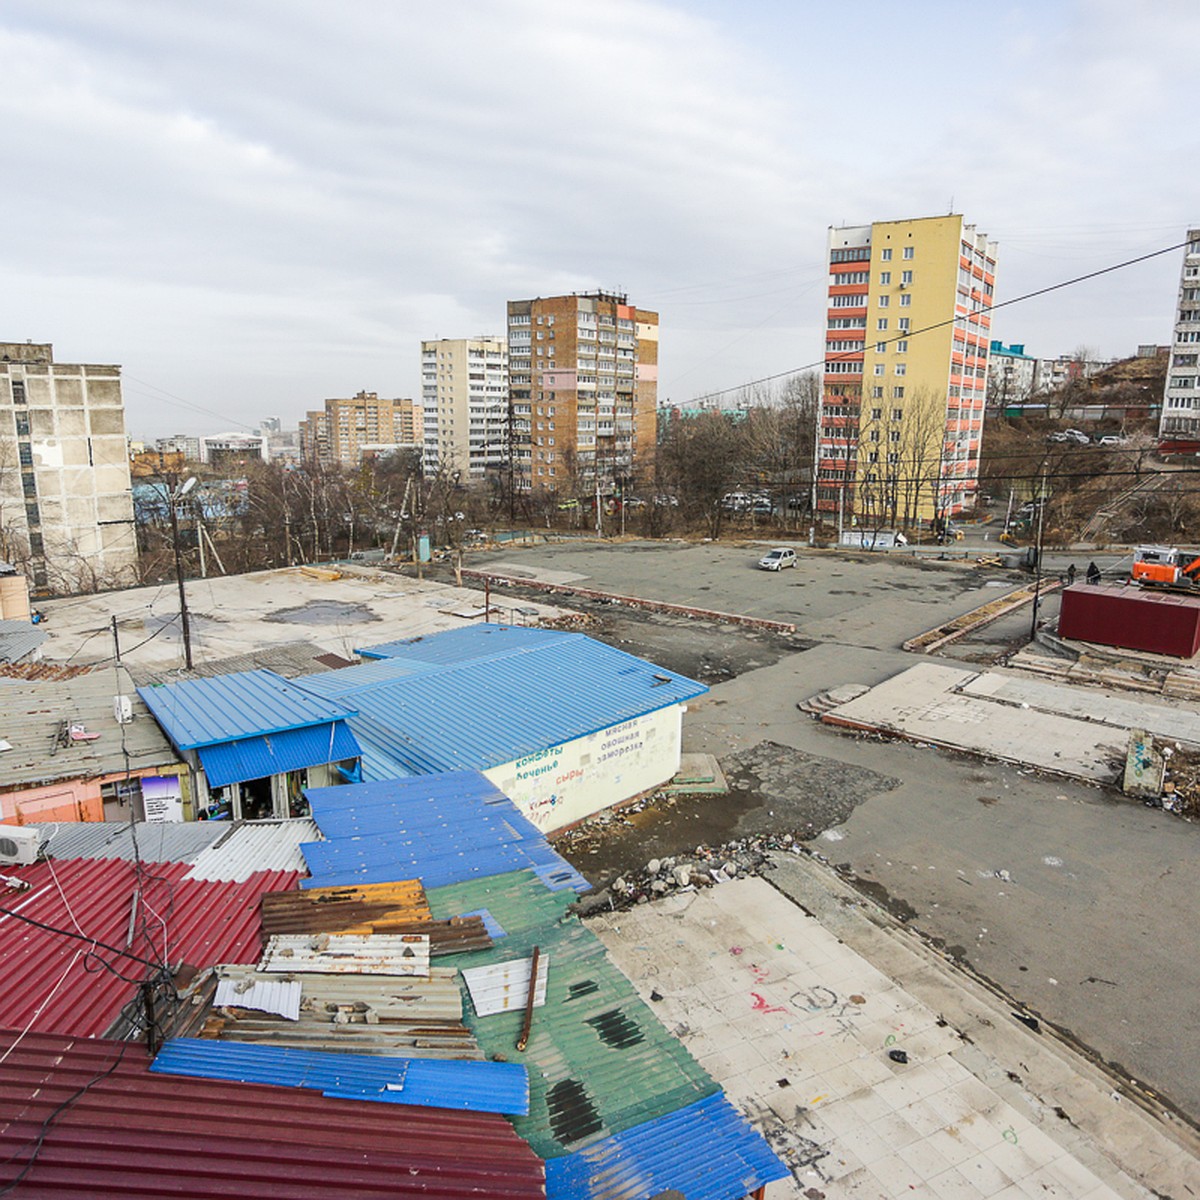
{"points": [[1010, 377], [336, 436], [583, 392], [464, 397], [904, 386], [1181, 396], [66, 511]]}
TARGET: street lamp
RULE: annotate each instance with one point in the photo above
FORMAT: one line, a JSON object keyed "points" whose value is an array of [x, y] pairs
{"points": [[173, 499]]}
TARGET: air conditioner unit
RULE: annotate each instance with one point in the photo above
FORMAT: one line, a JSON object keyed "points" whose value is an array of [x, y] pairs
{"points": [[122, 710], [19, 844]]}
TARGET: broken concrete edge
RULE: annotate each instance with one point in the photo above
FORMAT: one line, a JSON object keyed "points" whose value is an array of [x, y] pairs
{"points": [[835, 895], [898, 735], [662, 606], [1020, 597]]}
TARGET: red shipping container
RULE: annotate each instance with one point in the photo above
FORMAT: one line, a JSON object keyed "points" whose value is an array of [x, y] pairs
{"points": [[1132, 617]]}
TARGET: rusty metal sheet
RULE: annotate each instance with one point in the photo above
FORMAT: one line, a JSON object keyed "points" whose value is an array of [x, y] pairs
{"points": [[362, 1014], [371, 908], [348, 954]]}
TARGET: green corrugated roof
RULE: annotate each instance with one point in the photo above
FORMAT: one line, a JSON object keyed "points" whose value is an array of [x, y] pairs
{"points": [[600, 1062]]}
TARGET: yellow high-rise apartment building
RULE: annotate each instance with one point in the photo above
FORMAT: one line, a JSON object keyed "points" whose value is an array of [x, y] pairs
{"points": [[907, 334], [583, 392]]}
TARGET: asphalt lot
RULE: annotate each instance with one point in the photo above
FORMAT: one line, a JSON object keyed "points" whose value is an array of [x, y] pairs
{"points": [[1073, 900]]}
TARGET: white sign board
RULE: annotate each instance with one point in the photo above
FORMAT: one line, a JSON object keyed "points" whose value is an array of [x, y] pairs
{"points": [[162, 797]]}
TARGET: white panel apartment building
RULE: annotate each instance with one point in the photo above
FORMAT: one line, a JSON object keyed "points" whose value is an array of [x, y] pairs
{"points": [[1181, 397], [464, 392], [66, 505]]}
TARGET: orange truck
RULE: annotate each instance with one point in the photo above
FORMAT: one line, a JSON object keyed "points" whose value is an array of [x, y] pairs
{"points": [[1165, 566]]}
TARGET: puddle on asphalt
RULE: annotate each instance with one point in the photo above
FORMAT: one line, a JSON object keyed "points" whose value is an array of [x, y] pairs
{"points": [[325, 612]]}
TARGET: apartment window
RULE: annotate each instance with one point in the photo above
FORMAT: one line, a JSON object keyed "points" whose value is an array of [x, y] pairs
{"points": [[33, 515], [901, 369], [905, 278], [885, 278], [884, 301], [905, 300], [893, 435], [879, 368], [902, 324], [877, 393], [1177, 381], [23, 419], [28, 486], [908, 252], [880, 347], [874, 435], [877, 414], [1181, 360], [18, 391], [873, 456], [25, 454], [886, 254], [893, 458], [902, 346], [881, 325], [847, 301]]}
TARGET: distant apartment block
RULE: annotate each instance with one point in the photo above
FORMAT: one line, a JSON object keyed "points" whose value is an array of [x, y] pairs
{"points": [[1010, 377], [1181, 397], [906, 349], [1050, 374], [337, 435], [179, 443], [583, 391], [66, 510], [464, 395]]}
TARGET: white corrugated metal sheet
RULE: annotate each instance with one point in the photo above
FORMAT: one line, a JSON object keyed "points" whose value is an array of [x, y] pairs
{"points": [[280, 996], [256, 846], [504, 986], [349, 953]]}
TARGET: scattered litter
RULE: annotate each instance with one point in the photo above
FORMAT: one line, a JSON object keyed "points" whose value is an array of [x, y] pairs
{"points": [[1052, 860], [898, 1056]]}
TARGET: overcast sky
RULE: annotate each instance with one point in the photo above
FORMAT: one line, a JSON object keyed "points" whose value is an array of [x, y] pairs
{"points": [[256, 204]]}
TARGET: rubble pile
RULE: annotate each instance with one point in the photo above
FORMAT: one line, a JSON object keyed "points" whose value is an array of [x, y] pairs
{"points": [[707, 866], [1181, 783]]}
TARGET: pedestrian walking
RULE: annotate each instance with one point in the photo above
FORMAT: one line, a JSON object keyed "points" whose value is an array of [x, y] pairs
{"points": [[1093, 573], [1070, 575]]}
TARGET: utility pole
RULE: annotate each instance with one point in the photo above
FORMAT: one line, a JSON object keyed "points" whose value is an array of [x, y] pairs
{"points": [[1037, 562], [173, 498]]}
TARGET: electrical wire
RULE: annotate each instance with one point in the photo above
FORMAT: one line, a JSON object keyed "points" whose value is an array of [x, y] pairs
{"points": [[53, 1116], [1054, 287]]}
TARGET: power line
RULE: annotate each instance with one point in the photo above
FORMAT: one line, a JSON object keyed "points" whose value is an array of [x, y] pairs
{"points": [[1054, 287]]}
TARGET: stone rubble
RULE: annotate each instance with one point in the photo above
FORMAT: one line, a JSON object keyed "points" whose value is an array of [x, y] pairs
{"points": [[706, 866]]}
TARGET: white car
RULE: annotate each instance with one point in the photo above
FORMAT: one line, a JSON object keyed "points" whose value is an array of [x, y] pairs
{"points": [[776, 560]]}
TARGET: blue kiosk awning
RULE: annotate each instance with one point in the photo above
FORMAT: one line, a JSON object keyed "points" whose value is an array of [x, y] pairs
{"points": [[274, 753]]}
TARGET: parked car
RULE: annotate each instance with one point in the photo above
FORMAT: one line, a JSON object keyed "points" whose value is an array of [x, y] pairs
{"points": [[1057, 437], [761, 506], [1111, 439], [776, 560], [1077, 436]]}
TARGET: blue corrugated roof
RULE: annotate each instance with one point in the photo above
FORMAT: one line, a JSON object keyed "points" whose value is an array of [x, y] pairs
{"points": [[441, 829], [274, 753], [538, 689], [706, 1151], [468, 644], [202, 712], [342, 682], [470, 1086]]}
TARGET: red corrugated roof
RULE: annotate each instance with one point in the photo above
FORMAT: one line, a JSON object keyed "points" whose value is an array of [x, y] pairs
{"points": [[135, 1134], [57, 984]]}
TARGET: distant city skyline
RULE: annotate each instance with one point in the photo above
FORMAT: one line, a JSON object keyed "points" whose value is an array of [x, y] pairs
{"points": [[254, 206]]}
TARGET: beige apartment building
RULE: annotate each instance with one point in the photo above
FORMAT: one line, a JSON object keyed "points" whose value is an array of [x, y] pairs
{"points": [[464, 395], [338, 435], [66, 506], [583, 392]]}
